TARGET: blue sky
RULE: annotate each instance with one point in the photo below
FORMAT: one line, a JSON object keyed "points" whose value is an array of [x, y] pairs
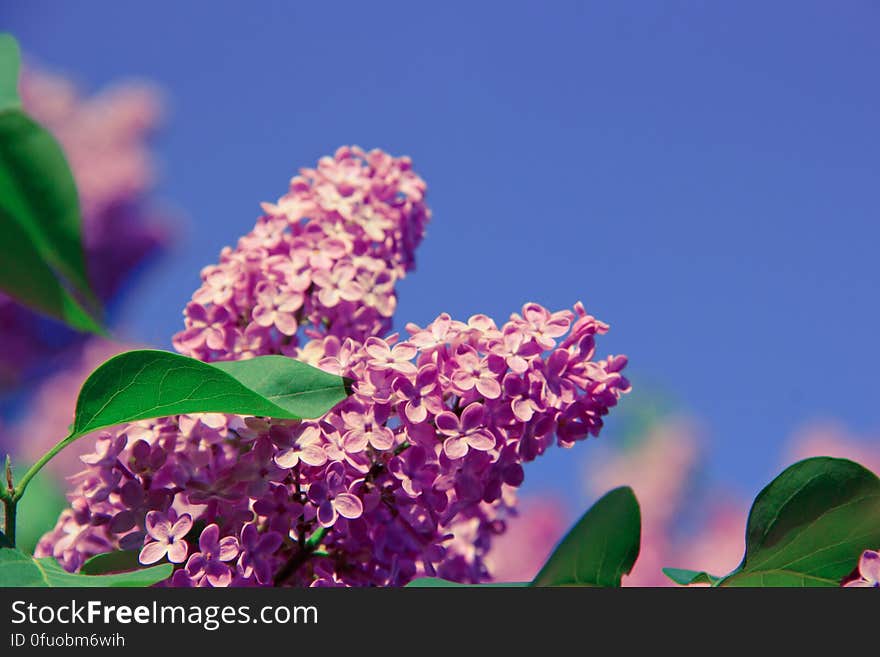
{"points": [[704, 176]]}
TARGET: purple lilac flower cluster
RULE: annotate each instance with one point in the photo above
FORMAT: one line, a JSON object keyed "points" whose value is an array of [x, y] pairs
{"points": [[412, 475], [325, 259], [105, 139]]}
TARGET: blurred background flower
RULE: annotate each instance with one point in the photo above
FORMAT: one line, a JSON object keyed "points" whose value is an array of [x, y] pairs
{"points": [[688, 520], [105, 137]]}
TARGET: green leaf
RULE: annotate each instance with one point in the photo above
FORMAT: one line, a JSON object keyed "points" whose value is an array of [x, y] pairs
{"points": [[39, 211], [111, 562], [687, 577], [27, 277], [10, 63], [18, 569], [810, 524], [602, 546], [138, 385]]}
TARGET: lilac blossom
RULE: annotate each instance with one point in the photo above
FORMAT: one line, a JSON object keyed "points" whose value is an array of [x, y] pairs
{"points": [[165, 538], [257, 553], [415, 472], [209, 563]]}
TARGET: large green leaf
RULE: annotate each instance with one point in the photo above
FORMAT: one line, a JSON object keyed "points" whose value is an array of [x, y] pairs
{"points": [[18, 569], [39, 211], [810, 524], [138, 385], [26, 276], [806, 528], [602, 546]]}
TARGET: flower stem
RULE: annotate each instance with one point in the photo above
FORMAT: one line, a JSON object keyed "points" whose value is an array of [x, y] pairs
{"points": [[9, 519], [13, 493], [9, 504], [315, 539], [18, 491], [301, 556]]}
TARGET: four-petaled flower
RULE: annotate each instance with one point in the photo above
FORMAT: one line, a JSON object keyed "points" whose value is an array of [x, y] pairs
{"points": [[480, 373], [209, 561], [337, 285], [220, 284], [303, 443], [167, 537], [257, 552], [333, 498], [366, 427], [276, 307], [462, 433], [542, 326], [420, 397], [396, 358]]}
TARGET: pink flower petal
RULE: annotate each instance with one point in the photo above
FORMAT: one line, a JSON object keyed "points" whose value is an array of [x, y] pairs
{"points": [[472, 416], [489, 388], [382, 438], [377, 348], [327, 514], [228, 548], [447, 423], [404, 351], [152, 552], [354, 442], [177, 551], [182, 526], [158, 526], [286, 323], [522, 409], [264, 316], [869, 566], [416, 412], [313, 455], [455, 447], [287, 459], [348, 505], [481, 441]]}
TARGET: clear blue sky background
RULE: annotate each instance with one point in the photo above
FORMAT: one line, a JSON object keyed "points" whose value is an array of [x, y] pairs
{"points": [[704, 176]]}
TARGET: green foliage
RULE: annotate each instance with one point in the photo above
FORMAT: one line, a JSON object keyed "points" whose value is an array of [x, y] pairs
{"points": [[42, 262], [809, 526], [118, 561], [138, 385], [597, 551], [18, 569], [601, 548]]}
